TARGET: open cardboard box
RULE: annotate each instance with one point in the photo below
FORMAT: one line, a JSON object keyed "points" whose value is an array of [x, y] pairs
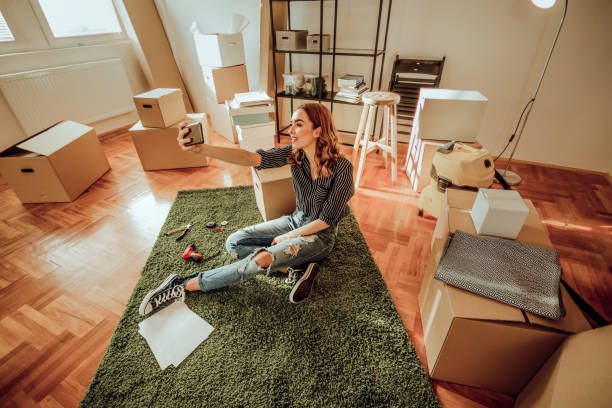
{"points": [[55, 165], [158, 148], [477, 341]]}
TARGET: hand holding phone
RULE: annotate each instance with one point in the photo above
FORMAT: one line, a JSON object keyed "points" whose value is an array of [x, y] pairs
{"points": [[195, 134]]}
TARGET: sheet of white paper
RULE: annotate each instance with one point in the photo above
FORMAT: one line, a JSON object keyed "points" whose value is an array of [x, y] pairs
{"points": [[173, 333]]}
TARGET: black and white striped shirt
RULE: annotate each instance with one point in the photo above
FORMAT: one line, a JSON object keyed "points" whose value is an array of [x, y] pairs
{"points": [[323, 198]]}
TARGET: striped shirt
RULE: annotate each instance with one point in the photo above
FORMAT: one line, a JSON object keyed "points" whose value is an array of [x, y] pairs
{"points": [[323, 198]]}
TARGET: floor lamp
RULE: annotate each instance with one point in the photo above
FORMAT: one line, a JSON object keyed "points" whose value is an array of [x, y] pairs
{"points": [[511, 177]]}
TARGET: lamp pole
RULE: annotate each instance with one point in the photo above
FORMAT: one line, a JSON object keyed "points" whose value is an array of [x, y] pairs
{"points": [[512, 177]]}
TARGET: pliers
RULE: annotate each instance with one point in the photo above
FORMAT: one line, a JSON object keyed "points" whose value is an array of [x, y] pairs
{"points": [[184, 228]]}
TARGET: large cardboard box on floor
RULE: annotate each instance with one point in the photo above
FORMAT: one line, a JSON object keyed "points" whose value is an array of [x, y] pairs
{"points": [[158, 148], [227, 81], [578, 374], [274, 192], [160, 107], [477, 341], [56, 165]]}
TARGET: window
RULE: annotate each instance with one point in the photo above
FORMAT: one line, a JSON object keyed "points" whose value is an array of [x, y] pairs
{"points": [[5, 32], [75, 18]]}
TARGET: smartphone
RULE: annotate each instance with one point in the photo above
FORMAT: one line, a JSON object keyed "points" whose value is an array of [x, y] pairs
{"points": [[195, 133]]}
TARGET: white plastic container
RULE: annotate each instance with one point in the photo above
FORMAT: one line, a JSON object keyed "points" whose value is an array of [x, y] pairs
{"points": [[500, 213]]}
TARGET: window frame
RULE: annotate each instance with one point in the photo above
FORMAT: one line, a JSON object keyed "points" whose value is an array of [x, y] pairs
{"points": [[62, 42]]}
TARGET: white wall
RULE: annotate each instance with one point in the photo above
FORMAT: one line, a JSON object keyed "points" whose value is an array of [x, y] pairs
{"points": [[211, 17], [498, 48], [41, 55]]}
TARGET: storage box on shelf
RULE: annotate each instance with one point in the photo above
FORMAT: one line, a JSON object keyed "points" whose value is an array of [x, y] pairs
{"points": [[473, 340], [274, 192], [160, 107], [55, 165], [313, 42], [291, 40], [157, 148]]}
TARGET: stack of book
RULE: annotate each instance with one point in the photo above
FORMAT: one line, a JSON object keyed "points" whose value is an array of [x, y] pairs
{"points": [[255, 98], [351, 88]]}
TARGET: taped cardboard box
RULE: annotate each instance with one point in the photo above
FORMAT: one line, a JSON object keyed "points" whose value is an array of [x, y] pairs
{"points": [[274, 192], [477, 341], [577, 375], [55, 165], [158, 148], [227, 81], [160, 107]]}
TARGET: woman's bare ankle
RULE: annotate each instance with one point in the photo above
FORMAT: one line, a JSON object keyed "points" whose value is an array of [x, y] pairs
{"points": [[192, 285]]}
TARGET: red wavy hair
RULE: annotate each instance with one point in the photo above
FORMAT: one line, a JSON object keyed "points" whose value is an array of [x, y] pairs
{"points": [[326, 151]]}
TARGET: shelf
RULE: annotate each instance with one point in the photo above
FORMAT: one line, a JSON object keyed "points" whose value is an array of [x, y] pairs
{"points": [[351, 52], [326, 98]]}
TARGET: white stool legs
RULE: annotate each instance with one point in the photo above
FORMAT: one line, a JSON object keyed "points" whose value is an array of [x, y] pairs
{"points": [[387, 143]]}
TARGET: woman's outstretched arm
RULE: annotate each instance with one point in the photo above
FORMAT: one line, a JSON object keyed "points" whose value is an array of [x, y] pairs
{"points": [[228, 154]]}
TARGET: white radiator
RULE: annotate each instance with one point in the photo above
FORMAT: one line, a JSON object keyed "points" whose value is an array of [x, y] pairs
{"points": [[84, 93]]}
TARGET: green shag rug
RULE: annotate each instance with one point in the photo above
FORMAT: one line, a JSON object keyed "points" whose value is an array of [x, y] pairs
{"points": [[345, 346]]}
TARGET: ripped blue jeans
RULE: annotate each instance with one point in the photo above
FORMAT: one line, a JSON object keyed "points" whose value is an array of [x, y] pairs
{"points": [[247, 242]]}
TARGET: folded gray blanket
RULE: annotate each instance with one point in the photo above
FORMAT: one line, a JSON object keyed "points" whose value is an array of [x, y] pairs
{"points": [[521, 275]]}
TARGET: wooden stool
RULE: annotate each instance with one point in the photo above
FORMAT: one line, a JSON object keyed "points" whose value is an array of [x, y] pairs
{"points": [[388, 142]]}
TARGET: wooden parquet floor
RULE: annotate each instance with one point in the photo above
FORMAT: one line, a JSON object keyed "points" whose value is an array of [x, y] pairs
{"points": [[67, 270]]}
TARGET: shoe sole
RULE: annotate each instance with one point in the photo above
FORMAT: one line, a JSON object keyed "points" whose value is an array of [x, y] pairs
{"points": [[145, 300], [309, 271]]}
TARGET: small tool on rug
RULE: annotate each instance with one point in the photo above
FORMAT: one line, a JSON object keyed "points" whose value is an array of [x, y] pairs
{"points": [[184, 228], [211, 224], [173, 333], [218, 229], [223, 223], [190, 253]]}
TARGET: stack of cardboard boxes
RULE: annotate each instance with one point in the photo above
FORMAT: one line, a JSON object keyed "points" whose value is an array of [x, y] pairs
{"points": [[161, 111], [477, 341], [221, 57], [55, 165]]}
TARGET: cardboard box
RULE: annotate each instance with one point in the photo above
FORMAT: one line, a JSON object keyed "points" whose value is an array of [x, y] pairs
{"points": [[56, 165], [477, 341], [160, 107], [225, 82], [577, 375], [500, 213], [274, 192], [256, 136], [219, 50], [291, 40], [313, 44], [158, 148], [450, 114]]}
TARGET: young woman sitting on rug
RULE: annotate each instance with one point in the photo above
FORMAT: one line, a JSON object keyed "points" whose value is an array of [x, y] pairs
{"points": [[323, 184]]}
